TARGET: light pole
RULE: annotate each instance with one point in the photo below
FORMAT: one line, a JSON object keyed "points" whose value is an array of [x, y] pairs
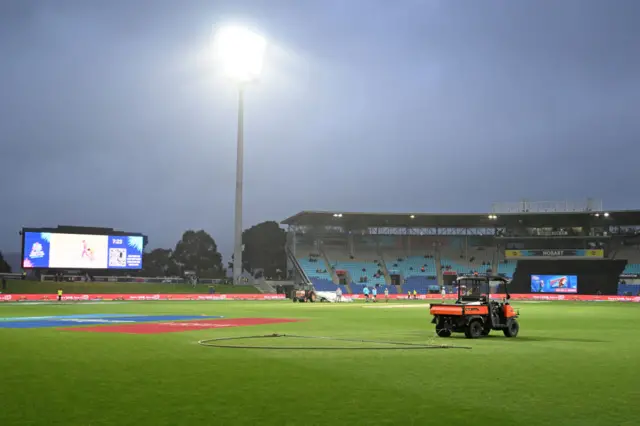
{"points": [[237, 235], [240, 51]]}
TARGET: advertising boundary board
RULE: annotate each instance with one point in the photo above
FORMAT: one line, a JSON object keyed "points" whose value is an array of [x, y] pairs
{"points": [[523, 297], [135, 297], [222, 297]]}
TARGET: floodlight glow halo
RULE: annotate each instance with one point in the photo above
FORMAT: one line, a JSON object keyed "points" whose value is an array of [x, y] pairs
{"points": [[240, 52]]}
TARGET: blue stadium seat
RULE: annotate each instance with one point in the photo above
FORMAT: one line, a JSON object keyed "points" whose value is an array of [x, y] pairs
{"points": [[508, 269], [632, 268], [412, 266], [355, 270], [314, 269]]}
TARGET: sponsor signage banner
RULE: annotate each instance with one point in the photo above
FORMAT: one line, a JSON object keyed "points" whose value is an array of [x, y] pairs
{"points": [[183, 297], [544, 253], [525, 296], [137, 297]]}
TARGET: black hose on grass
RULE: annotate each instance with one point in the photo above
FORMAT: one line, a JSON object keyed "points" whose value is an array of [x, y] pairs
{"points": [[393, 345]]}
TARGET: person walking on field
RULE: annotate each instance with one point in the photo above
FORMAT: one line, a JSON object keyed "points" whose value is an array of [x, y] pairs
{"points": [[386, 295], [59, 295]]}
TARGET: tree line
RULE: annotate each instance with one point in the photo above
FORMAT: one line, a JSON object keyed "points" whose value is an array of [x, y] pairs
{"points": [[197, 251]]}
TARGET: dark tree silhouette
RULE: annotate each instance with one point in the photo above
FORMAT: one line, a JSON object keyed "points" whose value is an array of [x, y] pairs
{"points": [[4, 266], [264, 248], [197, 251], [159, 262]]}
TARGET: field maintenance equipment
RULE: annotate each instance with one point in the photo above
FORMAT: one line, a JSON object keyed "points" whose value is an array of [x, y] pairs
{"points": [[304, 294], [475, 314]]}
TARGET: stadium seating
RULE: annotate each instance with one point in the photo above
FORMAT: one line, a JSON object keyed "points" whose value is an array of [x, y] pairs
{"points": [[315, 269], [322, 284], [395, 260], [449, 264], [359, 269], [411, 266], [453, 255], [507, 268], [632, 255]]}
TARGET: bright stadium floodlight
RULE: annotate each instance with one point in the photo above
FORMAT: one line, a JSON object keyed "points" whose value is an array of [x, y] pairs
{"points": [[240, 53]]}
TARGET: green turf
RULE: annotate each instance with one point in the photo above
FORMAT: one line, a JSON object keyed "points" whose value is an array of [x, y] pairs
{"points": [[573, 364], [47, 287]]}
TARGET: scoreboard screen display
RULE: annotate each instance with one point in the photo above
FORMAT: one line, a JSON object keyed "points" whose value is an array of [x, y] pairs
{"points": [[81, 251], [554, 283]]}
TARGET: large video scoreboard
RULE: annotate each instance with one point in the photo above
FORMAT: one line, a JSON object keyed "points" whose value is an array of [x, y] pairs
{"points": [[58, 250]]}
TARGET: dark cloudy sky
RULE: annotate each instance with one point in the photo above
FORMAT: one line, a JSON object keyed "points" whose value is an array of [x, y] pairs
{"points": [[112, 115]]}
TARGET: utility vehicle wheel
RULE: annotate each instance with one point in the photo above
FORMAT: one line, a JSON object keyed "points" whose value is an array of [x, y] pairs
{"points": [[512, 329], [443, 332], [474, 330], [486, 329]]}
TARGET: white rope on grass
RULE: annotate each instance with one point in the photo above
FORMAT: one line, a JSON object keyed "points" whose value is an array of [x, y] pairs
{"points": [[218, 343]]}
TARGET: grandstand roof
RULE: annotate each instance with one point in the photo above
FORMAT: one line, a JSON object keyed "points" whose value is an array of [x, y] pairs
{"points": [[463, 220]]}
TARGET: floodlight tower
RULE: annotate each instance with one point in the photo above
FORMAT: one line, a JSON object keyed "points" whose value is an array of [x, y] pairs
{"points": [[240, 51]]}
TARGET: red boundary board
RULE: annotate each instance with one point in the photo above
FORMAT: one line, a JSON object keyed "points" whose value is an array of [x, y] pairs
{"points": [[178, 326]]}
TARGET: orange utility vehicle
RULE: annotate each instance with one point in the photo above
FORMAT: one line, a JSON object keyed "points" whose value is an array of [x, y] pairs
{"points": [[475, 314]]}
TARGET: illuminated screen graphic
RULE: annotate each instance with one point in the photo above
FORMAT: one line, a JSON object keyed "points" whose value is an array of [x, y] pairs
{"points": [[81, 251], [554, 283]]}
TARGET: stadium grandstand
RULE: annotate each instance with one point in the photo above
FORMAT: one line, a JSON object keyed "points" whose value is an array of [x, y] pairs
{"points": [[423, 252]]}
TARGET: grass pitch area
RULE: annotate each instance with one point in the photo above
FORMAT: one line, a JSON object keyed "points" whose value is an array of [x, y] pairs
{"points": [[572, 364]]}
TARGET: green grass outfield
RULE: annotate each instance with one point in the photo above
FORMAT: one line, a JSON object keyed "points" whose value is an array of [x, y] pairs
{"points": [[572, 364]]}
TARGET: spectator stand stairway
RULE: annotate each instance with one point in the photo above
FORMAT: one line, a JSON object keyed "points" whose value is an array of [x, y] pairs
{"points": [[334, 276], [439, 276], [313, 272], [385, 271], [387, 275]]}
